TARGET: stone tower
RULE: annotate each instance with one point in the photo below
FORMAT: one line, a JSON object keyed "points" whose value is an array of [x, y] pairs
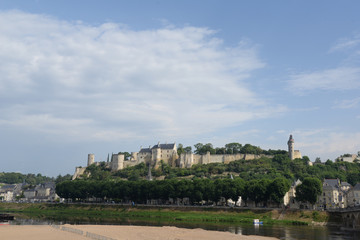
{"points": [[91, 159], [291, 147], [117, 162]]}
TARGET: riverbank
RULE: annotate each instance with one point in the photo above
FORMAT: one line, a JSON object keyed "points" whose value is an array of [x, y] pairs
{"points": [[113, 213], [79, 232]]}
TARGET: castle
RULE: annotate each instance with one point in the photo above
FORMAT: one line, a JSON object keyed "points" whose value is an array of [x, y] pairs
{"points": [[167, 153], [293, 153]]}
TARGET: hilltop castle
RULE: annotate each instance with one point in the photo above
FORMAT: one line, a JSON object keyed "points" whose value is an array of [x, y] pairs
{"points": [[293, 153], [152, 156]]}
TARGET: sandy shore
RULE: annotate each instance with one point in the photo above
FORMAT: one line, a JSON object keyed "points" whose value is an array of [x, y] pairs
{"points": [[105, 232]]}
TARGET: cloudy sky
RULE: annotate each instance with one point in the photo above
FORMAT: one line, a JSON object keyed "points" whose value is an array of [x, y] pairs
{"points": [[86, 76]]}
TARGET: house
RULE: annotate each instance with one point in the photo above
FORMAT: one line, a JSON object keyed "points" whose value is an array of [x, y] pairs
{"points": [[30, 194], [353, 197], [334, 194], [289, 198], [9, 192]]}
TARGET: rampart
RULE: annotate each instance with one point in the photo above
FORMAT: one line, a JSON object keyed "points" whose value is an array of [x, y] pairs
{"points": [[186, 160]]}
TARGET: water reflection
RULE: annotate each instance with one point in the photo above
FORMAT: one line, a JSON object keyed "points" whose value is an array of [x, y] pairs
{"points": [[278, 231]]}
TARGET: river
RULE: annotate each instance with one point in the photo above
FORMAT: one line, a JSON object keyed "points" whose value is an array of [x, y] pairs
{"points": [[278, 231]]}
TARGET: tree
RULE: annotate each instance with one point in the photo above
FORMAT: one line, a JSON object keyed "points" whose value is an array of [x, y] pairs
{"points": [[180, 149], [317, 160], [250, 149], [309, 190], [306, 159], [203, 149], [188, 149], [278, 188], [232, 148]]}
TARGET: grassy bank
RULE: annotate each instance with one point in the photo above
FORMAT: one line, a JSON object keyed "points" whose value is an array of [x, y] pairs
{"points": [[114, 213]]}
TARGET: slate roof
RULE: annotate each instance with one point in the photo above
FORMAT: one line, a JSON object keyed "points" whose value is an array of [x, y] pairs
{"points": [[145, 150], [332, 182], [8, 187], [357, 187], [164, 146], [169, 146]]}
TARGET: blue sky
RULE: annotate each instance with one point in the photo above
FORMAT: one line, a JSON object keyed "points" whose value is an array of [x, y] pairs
{"points": [[81, 77]]}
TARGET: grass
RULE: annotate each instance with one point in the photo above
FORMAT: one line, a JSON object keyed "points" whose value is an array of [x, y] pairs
{"points": [[113, 213]]}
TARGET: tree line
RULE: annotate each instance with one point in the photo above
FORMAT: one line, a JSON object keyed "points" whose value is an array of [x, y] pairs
{"points": [[31, 179], [197, 190], [230, 148]]}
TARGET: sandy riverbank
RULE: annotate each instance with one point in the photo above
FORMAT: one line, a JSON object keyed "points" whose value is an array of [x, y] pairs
{"points": [[78, 232]]}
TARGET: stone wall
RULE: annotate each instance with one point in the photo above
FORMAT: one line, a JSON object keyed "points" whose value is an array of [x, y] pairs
{"points": [[186, 160]]}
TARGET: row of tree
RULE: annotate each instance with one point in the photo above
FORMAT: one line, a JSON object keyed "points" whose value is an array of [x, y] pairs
{"points": [[198, 190], [230, 148], [33, 179]]}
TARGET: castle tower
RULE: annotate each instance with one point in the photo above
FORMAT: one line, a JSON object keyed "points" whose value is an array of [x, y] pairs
{"points": [[117, 162], [156, 153], [291, 147], [91, 159]]}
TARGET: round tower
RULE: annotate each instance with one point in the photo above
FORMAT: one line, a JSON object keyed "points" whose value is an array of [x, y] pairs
{"points": [[91, 159], [291, 147], [117, 162]]}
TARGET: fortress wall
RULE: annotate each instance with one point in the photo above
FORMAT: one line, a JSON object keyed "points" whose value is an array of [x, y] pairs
{"points": [[250, 156], [233, 157], [216, 158], [78, 172], [297, 154], [197, 159], [188, 159], [130, 163]]}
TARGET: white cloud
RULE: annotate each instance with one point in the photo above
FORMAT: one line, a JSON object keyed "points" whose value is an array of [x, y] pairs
{"points": [[346, 43], [72, 79], [341, 78], [347, 103], [326, 143]]}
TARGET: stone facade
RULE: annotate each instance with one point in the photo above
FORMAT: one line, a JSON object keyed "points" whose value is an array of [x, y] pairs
{"points": [[160, 152], [353, 198], [186, 160], [335, 194]]}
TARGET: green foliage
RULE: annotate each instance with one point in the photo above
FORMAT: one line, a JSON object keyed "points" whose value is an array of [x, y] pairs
{"points": [[12, 177], [60, 178], [250, 149], [196, 190], [233, 148], [204, 148], [309, 190]]}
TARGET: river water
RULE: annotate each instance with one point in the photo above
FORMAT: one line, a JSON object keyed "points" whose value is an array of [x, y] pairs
{"points": [[278, 231]]}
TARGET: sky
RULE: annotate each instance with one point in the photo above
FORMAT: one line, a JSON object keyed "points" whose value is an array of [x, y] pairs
{"points": [[86, 76]]}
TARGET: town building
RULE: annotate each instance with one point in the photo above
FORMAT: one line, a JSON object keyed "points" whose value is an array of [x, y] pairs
{"points": [[353, 198], [334, 194]]}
